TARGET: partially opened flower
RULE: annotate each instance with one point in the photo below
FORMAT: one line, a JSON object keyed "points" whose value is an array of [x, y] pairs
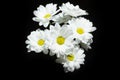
{"points": [[61, 18], [83, 45], [86, 45], [72, 60], [82, 29], [60, 39], [37, 41], [45, 14], [70, 9]]}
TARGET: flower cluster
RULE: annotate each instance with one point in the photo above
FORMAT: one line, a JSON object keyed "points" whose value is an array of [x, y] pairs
{"points": [[66, 35]]}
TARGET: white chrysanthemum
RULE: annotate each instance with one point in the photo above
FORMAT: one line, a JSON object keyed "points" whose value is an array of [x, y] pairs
{"points": [[59, 39], [37, 41], [61, 18], [81, 28], [73, 60], [44, 14], [70, 9]]}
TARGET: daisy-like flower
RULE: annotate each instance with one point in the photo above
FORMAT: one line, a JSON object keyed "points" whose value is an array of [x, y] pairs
{"points": [[73, 60], [44, 14], [81, 28], [60, 39], [37, 41], [70, 9]]}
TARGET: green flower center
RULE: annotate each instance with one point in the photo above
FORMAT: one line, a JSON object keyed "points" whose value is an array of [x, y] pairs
{"points": [[70, 57]]}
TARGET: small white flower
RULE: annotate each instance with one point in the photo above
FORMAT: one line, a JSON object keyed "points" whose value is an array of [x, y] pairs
{"points": [[73, 60], [59, 39], [86, 45], [61, 18], [37, 41], [44, 14], [81, 28], [70, 9]]}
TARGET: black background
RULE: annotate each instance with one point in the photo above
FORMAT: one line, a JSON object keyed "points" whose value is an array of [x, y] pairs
{"points": [[22, 65]]}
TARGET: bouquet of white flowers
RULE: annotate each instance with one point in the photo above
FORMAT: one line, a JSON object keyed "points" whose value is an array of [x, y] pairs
{"points": [[67, 34]]}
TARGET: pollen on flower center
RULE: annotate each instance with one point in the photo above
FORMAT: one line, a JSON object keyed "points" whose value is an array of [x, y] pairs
{"points": [[70, 57], [80, 30], [47, 16], [60, 40], [41, 42]]}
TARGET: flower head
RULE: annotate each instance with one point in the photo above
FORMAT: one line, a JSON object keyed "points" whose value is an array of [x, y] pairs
{"points": [[59, 39], [72, 60], [37, 41], [61, 18], [45, 14], [70, 9], [81, 28]]}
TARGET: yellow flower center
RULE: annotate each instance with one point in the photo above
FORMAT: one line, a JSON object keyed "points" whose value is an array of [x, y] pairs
{"points": [[41, 42], [80, 30], [60, 40], [70, 57], [47, 16]]}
